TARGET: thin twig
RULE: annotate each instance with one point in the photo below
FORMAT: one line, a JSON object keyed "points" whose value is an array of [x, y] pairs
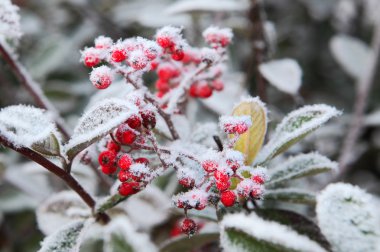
{"points": [[363, 88], [218, 142], [69, 180], [259, 46], [31, 86]]}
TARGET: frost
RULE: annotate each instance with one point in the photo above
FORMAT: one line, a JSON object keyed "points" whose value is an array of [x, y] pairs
{"points": [[268, 232], [284, 74], [25, 125], [235, 120], [210, 5], [352, 54], [97, 122], [373, 119], [349, 218], [64, 239], [300, 166], [10, 28], [294, 127]]}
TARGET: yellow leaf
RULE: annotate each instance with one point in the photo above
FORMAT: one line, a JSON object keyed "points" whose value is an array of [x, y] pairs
{"points": [[251, 141]]}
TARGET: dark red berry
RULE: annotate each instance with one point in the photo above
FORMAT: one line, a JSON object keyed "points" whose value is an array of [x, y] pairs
{"points": [[228, 198], [107, 158], [209, 165], [128, 188], [142, 160], [109, 169], [125, 161], [189, 226], [118, 55], [164, 41], [113, 146], [125, 135], [187, 182], [149, 119], [124, 175], [258, 179], [222, 185], [178, 55], [134, 121], [204, 91]]}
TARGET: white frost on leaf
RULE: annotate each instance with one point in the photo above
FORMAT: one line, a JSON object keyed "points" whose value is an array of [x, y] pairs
{"points": [[293, 195], [65, 239], [352, 54], [10, 28], [266, 231], [284, 74], [186, 6], [300, 166], [98, 121], [294, 127], [25, 125], [349, 218]]}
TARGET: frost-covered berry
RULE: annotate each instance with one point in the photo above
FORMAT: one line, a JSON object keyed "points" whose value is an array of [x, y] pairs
{"points": [[257, 191], [221, 175], [216, 37], [134, 121], [187, 182], [107, 158], [151, 50], [164, 41], [258, 179], [235, 124], [162, 85], [118, 55], [124, 175], [209, 56], [128, 188], [178, 54], [142, 160], [137, 60], [103, 42], [228, 198], [222, 185], [217, 85], [109, 169], [167, 71], [91, 57], [259, 175], [101, 77], [189, 226], [124, 135], [204, 90], [148, 119], [125, 161], [209, 165], [113, 146]]}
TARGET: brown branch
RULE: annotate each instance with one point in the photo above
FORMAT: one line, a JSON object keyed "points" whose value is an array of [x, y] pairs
{"points": [[32, 87], [259, 47], [69, 180], [363, 86]]}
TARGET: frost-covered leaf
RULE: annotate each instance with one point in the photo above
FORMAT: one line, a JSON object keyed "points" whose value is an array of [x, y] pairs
{"points": [[121, 236], [294, 127], [373, 119], [292, 195], [10, 28], [300, 166], [51, 146], [60, 209], [240, 232], [184, 244], [185, 6], [284, 74], [251, 141], [351, 53], [97, 122], [65, 239], [25, 125], [349, 218]]}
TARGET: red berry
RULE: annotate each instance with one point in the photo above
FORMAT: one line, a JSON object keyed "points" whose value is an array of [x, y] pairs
{"points": [[228, 198], [217, 85], [150, 53], [258, 179], [204, 91], [113, 146], [162, 85], [209, 165], [164, 41], [91, 61], [221, 176], [223, 185], [187, 182], [124, 135], [142, 160], [153, 65], [148, 119], [189, 226], [118, 55], [109, 169], [200, 206], [128, 188], [101, 77], [178, 55], [124, 162], [134, 121], [124, 175], [166, 72], [176, 230], [233, 164], [193, 91], [107, 158]]}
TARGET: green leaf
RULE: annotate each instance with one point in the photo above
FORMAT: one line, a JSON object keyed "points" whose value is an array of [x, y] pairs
{"points": [[251, 141], [65, 239], [51, 146], [291, 195], [240, 232], [300, 166], [349, 218], [119, 244], [97, 122], [294, 127], [185, 244]]}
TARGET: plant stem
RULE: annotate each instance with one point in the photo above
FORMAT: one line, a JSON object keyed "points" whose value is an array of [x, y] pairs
{"points": [[31, 86], [69, 180], [363, 87], [259, 47]]}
